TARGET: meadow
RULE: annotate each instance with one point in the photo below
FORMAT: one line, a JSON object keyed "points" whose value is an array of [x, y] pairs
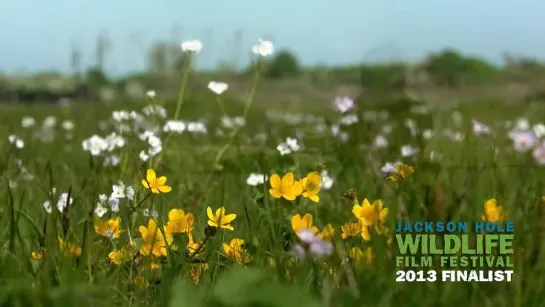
{"points": [[206, 201]]}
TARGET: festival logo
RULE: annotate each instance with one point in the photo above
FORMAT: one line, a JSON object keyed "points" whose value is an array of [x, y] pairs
{"points": [[477, 251]]}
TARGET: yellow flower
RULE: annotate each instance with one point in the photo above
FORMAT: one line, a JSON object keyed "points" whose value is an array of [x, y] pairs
{"points": [[154, 241], [122, 255], [154, 266], [180, 222], [69, 249], [311, 186], [369, 214], [327, 232], [361, 257], [271, 261], [492, 212], [402, 172], [196, 270], [110, 228], [220, 219], [350, 230], [156, 185], [298, 223], [236, 252], [38, 255], [193, 247], [287, 187], [365, 232], [140, 283]]}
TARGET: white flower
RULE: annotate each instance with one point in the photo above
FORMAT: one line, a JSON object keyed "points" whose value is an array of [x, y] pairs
{"points": [[522, 124], [284, 149], [480, 128], [327, 181], [68, 125], [111, 160], [381, 142], [100, 210], [143, 156], [256, 179], [539, 130], [349, 119], [218, 87], [263, 48], [114, 204], [197, 127], [539, 154], [524, 141], [151, 94], [118, 191], [154, 213], [130, 193], [174, 126], [47, 206], [63, 202], [27, 122], [13, 139], [50, 122], [292, 144], [155, 109], [408, 150], [386, 129], [343, 104], [114, 141], [95, 145], [102, 198], [390, 167], [192, 46]]}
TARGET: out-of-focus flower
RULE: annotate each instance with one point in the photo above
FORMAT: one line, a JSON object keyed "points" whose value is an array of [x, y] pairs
{"points": [[218, 87], [327, 181], [16, 141], [192, 46], [236, 252], [311, 244], [480, 128], [151, 94], [256, 179], [492, 212], [343, 104], [539, 154], [27, 122], [263, 48], [408, 151], [524, 141]]}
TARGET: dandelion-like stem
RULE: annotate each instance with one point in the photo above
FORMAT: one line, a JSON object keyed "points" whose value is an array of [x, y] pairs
{"points": [[248, 104], [182, 89]]}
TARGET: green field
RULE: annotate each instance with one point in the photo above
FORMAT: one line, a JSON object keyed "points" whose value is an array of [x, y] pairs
{"points": [[84, 254]]}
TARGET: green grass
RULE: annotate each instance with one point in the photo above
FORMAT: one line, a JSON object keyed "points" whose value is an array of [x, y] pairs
{"points": [[455, 187]]}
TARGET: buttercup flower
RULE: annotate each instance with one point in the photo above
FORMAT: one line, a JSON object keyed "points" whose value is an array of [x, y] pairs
{"points": [[68, 248], [311, 186], [327, 233], [402, 172], [492, 212], [180, 222], [350, 230], [196, 270], [236, 252], [156, 185], [220, 219], [298, 223], [285, 187], [154, 240], [370, 214], [110, 228]]}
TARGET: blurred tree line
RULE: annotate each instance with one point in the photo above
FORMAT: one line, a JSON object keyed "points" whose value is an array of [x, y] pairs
{"points": [[445, 69]]}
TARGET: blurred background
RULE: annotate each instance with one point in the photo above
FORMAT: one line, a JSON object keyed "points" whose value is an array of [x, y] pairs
{"points": [[436, 51]]}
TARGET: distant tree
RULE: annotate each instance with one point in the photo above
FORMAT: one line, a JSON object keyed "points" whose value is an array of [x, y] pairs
{"points": [[157, 58], [283, 65], [450, 68]]}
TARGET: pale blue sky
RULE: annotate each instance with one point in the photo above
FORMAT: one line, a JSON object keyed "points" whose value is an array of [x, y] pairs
{"points": [[37, 34]]}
